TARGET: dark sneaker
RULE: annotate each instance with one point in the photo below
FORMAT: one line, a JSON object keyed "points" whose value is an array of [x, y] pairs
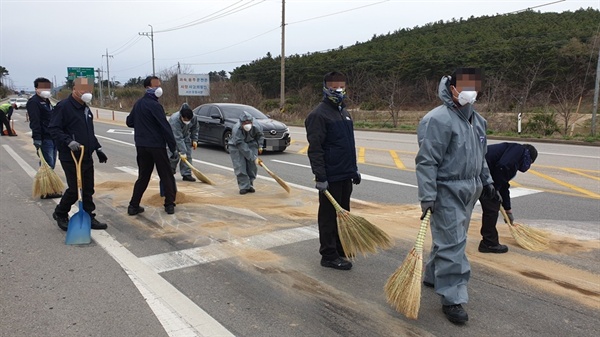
{"points": [[251, 190], [97, 224], [243, 191], [51, 196], [428, 284], [189, 178], [338, 263], [61, 221], [170, 209], [455, 313], [132, 210], [498, 249]]}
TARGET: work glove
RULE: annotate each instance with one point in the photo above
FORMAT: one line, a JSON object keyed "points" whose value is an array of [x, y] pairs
{"points": [[174, 155], [101, 156], [356, 180], [511, 217], [74, 146], [260, 150], [322, 186], [426, 205], [183, 155], [489, 192], [194, 145], [37, 143]]}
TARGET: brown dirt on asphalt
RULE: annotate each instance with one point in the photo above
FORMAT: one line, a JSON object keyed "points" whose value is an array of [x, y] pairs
{"points": [[220, 213]]}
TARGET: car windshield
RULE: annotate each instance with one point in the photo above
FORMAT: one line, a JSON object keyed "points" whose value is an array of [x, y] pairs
{"points": [[235, 111]]}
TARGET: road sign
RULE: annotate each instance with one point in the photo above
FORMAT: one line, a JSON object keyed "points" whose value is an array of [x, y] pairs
{"points": [[193, 85], [74, 72]]}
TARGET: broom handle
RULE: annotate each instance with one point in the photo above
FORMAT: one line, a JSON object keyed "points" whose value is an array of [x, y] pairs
{"points": [[78, 169], [505, 216], [41, 155], [333, 202], [422, 231]]}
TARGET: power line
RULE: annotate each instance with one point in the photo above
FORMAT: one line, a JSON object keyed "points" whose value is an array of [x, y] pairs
{"points": [[340, 12]]}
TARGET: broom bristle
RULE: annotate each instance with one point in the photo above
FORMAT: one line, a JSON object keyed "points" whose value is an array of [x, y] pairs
{"points": [[403, 287], [46, 181], [529, 238], [197, 173], [358, 235]]}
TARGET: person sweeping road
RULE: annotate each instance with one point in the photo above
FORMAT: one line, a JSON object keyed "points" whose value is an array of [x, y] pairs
{"points": [[185, 130], [451, 175], [504, 161], [245, 145]]}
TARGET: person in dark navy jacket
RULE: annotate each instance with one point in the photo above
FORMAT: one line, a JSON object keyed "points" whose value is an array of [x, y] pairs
{"points": [[71, 126], [504, 161], [152, 136], [332, 155]]}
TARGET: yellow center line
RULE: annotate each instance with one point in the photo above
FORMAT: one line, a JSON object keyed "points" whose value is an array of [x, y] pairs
{"points": [[361, 155], [562, 183], [303, 150], [399, 163], [580, 173]]}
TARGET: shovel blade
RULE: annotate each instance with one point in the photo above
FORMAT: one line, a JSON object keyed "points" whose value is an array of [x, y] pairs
{"points": [[79, 231]]}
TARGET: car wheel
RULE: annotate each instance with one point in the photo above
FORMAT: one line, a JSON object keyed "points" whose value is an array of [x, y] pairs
{"points": [[226, 138]]}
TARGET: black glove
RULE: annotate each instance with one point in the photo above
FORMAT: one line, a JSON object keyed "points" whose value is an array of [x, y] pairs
{"points": [[37, 144], [511, 217], [174, 155], [489, 192], [322, 186], [356, 180], [426, 205], [101, 156], [74, 146]]}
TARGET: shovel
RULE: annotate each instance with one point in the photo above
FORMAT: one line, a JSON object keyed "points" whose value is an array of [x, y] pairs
{"points": [[79, 231]]}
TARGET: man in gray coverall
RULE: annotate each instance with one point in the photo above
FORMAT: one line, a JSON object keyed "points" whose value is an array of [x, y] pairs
{"points": [[451, 174], [245, 144], [185, 129]]}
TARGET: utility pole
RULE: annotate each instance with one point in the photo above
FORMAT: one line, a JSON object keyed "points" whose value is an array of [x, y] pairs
{"points": [[99, 71], [178, 68], [108, 72], [151, 37], [597, 88], [282, 87]]}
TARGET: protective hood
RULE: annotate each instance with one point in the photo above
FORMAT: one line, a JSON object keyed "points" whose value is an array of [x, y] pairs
{"points": [[246, 117], [445, 94]]}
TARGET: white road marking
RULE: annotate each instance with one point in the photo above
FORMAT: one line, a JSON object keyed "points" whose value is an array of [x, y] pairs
{"points": [[133, 171], [121, 131], [179, 316]]}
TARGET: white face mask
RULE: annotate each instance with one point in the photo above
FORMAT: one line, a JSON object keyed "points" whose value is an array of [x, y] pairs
{"points": [[87, 97], [186, 122], [45, 94], [467, 97], [247, 127], [158, 92]]}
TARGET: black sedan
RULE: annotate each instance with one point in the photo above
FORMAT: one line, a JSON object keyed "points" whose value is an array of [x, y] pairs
{"points": [[215, 121]]}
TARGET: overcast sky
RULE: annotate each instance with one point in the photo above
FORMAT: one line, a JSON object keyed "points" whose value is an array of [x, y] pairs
{"points": [[44, 37]]}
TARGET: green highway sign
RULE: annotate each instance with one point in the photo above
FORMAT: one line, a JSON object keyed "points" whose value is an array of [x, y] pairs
{"points": [[74, 72]]}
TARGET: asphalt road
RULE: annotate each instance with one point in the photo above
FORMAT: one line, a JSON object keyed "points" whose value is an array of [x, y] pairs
{"points": [[244, 266]]}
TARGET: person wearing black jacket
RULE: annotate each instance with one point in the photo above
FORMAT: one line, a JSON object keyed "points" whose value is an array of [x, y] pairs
{"points": [[152, 135], [504, 160], [332, 155], [71, 126], [40, 110]]}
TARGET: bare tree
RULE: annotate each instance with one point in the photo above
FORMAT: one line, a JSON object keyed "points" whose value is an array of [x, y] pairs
{"points": [[567, 95]]}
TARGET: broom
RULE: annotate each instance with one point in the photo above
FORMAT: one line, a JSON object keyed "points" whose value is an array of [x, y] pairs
{"points": [[276, 177], [356, 233], [403, 287], [529, 238], [46, 181], [197, 173]]}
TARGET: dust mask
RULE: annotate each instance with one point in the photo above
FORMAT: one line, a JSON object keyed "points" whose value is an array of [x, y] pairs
{"points": [[186, 122], [467, 97], [158, 92], [87, 97], [247, 127], [45, 94]]}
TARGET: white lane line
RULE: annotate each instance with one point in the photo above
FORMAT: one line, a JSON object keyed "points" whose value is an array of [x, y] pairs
{"points": [[133, 171], [363, 176], [179, 316], [161, 263]]}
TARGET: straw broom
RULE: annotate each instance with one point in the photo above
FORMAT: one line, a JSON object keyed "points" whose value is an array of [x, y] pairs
{"points": [[403, 287], [529, 238], [274, 176], [46, 181], [356, 233], [197, 173]]}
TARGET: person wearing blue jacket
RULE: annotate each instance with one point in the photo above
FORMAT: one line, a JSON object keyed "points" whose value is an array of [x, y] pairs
{"points": [[332, 155], [504, 161], [451, 175], [152, 136], [71, 126], [245, 144]]}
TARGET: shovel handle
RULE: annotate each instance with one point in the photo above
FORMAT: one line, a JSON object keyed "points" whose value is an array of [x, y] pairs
{"points": [[78, 169]]}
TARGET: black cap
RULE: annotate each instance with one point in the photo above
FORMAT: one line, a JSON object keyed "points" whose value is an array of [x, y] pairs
{"points": [[532, 152]]}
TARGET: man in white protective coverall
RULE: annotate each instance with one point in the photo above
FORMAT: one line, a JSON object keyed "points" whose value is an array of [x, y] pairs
{"points": [[245, 144], [452, 173]]}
